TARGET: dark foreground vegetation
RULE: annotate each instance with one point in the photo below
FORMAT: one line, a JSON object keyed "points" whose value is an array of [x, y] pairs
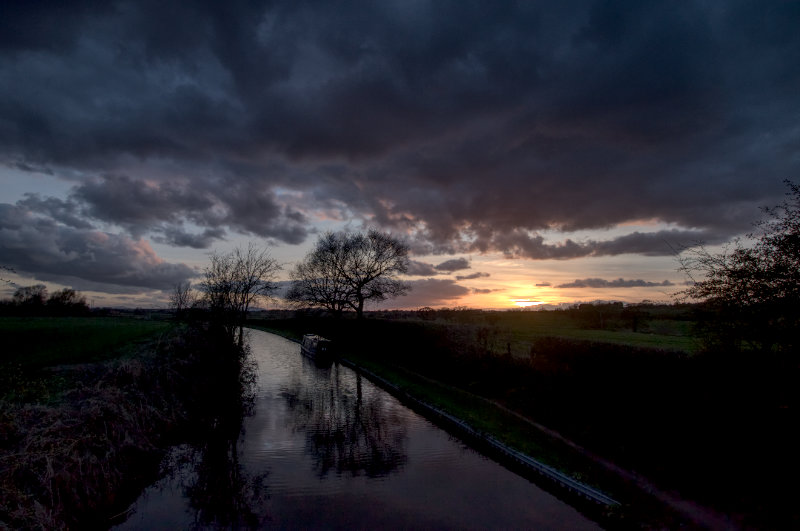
{"points": [[718, 429], [89, 406]]}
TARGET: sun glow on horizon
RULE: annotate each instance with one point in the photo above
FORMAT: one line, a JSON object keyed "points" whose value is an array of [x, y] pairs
{"points": [[525, 303]]}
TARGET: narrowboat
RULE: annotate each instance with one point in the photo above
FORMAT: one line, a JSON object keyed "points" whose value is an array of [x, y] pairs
{"points": [[316, 347]]}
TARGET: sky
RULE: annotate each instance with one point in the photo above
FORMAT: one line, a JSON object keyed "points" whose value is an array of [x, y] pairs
{"points": [[528, 152]]}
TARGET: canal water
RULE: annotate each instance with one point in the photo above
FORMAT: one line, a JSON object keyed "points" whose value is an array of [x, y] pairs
{"points": [[324, 448]]}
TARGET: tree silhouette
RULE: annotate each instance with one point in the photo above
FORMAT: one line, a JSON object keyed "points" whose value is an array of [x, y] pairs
{"points": [[344, 270], [233, 282], [753, 288], [30, 296], [182, 298], [67, 302]]}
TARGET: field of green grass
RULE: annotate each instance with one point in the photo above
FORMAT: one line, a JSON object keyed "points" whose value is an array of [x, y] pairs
{"points": [[523, 328], [33, 347], [36, 342], [516, 332]]}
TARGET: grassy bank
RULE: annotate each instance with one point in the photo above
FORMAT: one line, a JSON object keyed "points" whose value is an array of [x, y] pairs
{"points": [[82, 430], [711, 430], [35, 347], [43, 341]]}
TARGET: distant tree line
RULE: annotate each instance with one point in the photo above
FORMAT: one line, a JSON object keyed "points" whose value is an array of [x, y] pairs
{"points": [[34, 301]]}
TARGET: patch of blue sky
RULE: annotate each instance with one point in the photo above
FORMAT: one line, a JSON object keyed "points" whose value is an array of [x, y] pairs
{"points": [[17, 183]]}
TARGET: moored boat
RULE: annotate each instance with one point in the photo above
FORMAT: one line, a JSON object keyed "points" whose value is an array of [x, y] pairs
{"points": [[316, 347]]}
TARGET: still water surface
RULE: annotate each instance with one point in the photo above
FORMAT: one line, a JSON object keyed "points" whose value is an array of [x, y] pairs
{"points": [[325, 448]]}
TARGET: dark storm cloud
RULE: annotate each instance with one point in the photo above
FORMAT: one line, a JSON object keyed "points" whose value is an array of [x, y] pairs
{"points": [[472, 276], [518, 243], [141, 206], [66, 212], [543, 285], [455, 264], [137, 205], [44, 25], [29, 168], [180, 238], [48, 249], [421, 269], [618, 283], [656, 243], [475, 127]]}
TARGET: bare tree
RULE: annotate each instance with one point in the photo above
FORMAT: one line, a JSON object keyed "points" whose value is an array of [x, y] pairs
{"points": [[345, 270], [753, 288], [181, 298], [67, 301], [33, 296], [234, 282], [318, 280]]}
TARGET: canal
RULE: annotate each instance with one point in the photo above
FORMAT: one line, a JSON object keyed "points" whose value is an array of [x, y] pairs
{"points": [[325, 448]]}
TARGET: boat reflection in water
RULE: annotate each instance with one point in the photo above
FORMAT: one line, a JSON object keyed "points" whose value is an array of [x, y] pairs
{"points": [[326, 449]]}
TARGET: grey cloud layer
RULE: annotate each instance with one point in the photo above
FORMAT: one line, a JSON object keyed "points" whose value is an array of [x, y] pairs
{"points": [[455, 264], [472, 276], [618, 283], [421, 269], [474, 127], [521, 244], [140, 206], [82, 257]]}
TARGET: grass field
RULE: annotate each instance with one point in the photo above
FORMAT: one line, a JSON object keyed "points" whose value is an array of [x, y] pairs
{"points": [[522, 328], [34, 346], [634, 339], [516, 332], [36, 342]]}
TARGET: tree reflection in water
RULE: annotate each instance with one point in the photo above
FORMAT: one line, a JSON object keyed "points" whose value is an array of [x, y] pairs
{"points": [[345, 430], [222, 493]]}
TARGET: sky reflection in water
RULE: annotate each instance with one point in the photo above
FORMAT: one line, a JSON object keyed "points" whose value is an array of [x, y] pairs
{"points": [[327, 449]]}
